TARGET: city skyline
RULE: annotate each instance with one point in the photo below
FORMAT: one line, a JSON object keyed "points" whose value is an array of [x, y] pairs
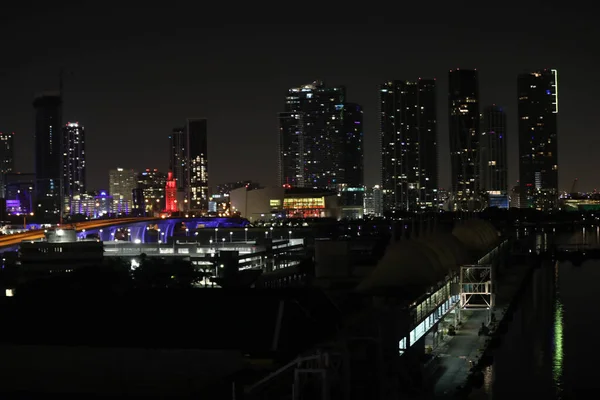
{"points": [[141, 115]]}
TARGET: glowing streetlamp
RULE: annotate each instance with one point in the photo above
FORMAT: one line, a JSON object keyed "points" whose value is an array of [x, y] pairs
{"points": [[245, 234], [223, 242], [230, 237]]}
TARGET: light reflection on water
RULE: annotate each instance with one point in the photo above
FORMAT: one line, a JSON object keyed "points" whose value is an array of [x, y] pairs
{"points": [[547, 347], [557, 356]]}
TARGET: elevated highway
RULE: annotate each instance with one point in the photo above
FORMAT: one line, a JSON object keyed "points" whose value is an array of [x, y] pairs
{"points": [[137, 229], [9, 241]]}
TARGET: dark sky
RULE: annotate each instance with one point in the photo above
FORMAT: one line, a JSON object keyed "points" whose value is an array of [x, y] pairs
{"points": [[139, 72]]}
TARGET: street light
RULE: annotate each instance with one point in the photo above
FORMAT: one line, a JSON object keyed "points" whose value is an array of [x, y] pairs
{"points": [[290, 233], [231, 237], [216, 237], [187, 231], [223, 242], [245, 234]]}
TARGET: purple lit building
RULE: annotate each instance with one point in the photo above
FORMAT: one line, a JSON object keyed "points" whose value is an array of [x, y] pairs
{"points": [[20, 193]]}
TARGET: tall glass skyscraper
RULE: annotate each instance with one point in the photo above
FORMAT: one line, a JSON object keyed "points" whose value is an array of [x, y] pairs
{"points": [[178, 157], [494, 167], [74, 167], [538, 145], [408, 134], [464, 127], [188, 160], [314, 135], [48, 154], [7, 159], [197, 158]]}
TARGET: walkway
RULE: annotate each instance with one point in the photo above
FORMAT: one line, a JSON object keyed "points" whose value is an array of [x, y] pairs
{"points": [[455, 354]]}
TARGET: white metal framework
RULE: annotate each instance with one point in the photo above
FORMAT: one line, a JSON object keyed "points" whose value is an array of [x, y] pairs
{"points": [[476, 287]]}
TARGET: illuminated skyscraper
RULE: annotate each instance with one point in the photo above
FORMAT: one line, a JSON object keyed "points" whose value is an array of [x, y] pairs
{"points": [[7, 159], [188, 160], [538, 145], [463, 98], [152, 184], [73, 160], [320, 138], [121, 184], [178, 156], [494, 168], [48, 154], [408, 134], [197, 160]]}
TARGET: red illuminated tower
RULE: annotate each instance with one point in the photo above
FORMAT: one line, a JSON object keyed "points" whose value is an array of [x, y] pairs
{"points": [[171, 194]]}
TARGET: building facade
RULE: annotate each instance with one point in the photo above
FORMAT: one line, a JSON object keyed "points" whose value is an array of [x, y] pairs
{"points": [[188, 160], [197, 156], [178, 157], [7, 159], [121, 184], [316, 130], [152, 184], [538, 139], [48, 155], [74, 168], [464, 129], [494, 163], [20, 193], [408, 137]]}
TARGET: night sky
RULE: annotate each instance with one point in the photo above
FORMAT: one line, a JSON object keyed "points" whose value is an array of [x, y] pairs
{"points": [[139, 72]]}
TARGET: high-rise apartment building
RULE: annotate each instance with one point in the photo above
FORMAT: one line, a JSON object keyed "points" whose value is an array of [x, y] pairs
{"points": [[494, 168], [352, 161], [464, 127], [7, 159], [74, 181], [48, 154], [316, 130], [188, 160], [197, 156], [178, 157], [408, 134], [121, 184], [538, 141]]}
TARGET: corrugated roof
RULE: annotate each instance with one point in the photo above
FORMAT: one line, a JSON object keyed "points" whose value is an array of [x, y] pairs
{"points": [[424, 262], [416, 263], [477, 234]]}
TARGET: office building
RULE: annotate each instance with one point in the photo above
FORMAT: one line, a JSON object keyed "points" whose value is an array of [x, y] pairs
{"points": [[74, 181], [151, 183], [121, 184], [316, 129], [48, 155], [408, 134], [493, 153], [7, 159], [464, 127], [538, 145]]}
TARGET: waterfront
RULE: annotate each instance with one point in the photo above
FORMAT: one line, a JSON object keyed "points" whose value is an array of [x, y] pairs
{"points": [[549, 350]]}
